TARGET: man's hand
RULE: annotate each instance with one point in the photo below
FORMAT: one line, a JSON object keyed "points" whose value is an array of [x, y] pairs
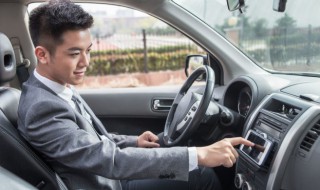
{"points": [[221, 153], [148, 140]]}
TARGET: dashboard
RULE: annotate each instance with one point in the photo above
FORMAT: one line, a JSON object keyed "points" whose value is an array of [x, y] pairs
{"points": [[282, 116]]}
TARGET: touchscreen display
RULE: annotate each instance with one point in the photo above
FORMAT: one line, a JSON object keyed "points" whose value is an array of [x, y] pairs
{"points": [[255, 151], [259, 151]]}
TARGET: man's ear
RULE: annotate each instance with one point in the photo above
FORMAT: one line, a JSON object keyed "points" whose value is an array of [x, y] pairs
{"points": [[42, 54]]}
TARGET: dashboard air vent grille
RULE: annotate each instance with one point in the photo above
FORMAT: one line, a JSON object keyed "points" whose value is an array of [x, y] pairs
{"points": [[311, 137]]}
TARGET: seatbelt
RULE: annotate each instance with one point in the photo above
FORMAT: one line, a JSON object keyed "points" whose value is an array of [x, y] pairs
{"points": [[22, 71], [22, 63]]}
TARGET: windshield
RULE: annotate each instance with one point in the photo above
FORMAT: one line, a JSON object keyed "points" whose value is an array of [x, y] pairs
{"points": [[285, 42]]}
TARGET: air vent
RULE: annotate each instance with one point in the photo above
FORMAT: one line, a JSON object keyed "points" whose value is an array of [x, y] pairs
{"points": [[311, 137]]}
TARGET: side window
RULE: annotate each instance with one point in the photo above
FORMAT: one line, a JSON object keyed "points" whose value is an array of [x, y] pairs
{"points": [[133, 49]]}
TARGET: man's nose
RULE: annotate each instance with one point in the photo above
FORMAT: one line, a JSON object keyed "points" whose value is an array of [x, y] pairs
{"points": [[85, 60]]}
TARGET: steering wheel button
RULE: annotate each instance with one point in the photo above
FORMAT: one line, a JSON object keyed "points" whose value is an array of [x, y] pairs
{"points": [[189, 112], [194, 108], [186, 118]]}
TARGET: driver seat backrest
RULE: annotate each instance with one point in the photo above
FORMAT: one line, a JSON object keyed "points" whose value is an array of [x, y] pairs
{"points": [[16, 155]]}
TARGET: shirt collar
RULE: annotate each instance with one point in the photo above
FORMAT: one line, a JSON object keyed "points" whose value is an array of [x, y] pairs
{"points": [[61, 90]]}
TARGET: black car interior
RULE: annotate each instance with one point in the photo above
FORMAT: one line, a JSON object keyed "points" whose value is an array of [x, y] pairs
{"points": [[15, 151]]}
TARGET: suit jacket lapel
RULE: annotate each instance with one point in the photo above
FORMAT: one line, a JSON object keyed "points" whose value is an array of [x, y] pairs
{"points": [[83, 123]]}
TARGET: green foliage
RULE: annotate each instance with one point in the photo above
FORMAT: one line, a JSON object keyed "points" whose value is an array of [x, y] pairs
{"points": [[298, 46], [285, 44], [132, 60], [162, 31], [286, 22], [260, 28], [161, 49]]}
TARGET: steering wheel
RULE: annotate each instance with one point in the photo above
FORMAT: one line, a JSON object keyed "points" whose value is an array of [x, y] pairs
{"points": [[188, 108]]}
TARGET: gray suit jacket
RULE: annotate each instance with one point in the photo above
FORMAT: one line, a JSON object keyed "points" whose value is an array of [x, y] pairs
{"points": [[83, 160]]}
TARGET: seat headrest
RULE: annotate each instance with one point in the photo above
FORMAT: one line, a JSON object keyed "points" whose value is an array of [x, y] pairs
{"points": [[7, 60]]}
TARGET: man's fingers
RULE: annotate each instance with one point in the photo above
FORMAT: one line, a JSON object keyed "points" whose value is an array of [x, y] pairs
{"points": [[151, 145], [153, 137], [228, 163], [239, 140], [233, 159], [235, 153]]}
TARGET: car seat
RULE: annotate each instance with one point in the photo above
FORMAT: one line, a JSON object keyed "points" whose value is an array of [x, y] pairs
{"points": [[16, 155]]}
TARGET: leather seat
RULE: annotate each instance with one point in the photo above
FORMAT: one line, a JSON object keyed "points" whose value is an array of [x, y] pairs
{"points": [[15, 153]]}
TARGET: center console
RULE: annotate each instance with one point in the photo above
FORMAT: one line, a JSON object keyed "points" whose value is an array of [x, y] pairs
{"points": [[267, 128]]}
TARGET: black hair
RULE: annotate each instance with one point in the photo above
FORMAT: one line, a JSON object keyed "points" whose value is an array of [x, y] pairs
{"points": [[50, 20]]}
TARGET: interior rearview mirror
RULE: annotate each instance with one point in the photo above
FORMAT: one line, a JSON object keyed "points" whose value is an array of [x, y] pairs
{"points": [[279, 5], [235, 4], [193, 62]]}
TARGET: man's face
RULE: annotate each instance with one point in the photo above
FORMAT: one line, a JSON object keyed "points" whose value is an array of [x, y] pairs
{"points": [[68, 64]]}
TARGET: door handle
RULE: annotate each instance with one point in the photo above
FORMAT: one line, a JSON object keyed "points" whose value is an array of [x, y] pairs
{"points": [[162, 104]]}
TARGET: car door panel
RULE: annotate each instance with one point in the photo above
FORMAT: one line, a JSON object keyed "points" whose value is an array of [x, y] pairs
{"points": [[130, 111]]}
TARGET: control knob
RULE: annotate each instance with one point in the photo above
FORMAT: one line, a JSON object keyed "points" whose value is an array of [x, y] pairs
{"points": [[239, 180], [247, 186]]}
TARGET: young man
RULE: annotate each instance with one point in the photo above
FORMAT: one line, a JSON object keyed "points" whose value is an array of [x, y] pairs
{"points": [[62, 128]]}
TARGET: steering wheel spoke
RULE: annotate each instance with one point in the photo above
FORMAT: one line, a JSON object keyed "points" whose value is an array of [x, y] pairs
{"points": [[178, 98]]}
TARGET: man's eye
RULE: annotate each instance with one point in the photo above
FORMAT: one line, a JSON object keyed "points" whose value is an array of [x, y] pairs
{"points": [[74, 54]]}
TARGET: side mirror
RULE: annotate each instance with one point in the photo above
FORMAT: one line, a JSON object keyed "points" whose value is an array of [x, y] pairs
{"points": [[193, 62], [235, 4]]}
